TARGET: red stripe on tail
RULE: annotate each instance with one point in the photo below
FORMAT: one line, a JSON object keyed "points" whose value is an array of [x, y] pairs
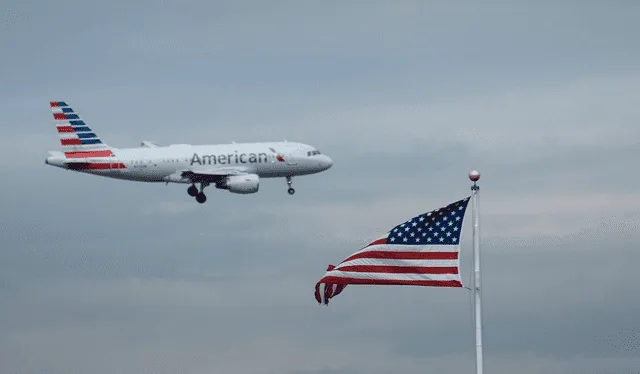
{"points": [[59, 116], [106, 165], [106, 153], [95, 166], [65, 129], [71, 141]]}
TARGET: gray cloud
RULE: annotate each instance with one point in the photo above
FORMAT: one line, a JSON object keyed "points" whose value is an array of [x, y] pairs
{"points": [[107, 276]]}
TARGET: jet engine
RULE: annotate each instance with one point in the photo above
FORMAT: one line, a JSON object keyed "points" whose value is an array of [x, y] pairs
{"points": [[241, 184]]}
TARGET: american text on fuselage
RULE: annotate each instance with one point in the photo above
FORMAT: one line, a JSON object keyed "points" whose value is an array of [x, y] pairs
{"points": [[225, 159]]}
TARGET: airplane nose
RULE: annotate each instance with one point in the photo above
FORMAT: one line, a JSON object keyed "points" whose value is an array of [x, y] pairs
{"points": [[328, 162]]}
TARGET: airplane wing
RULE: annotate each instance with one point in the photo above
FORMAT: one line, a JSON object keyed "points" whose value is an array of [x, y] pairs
{"points": [[212, 175]]}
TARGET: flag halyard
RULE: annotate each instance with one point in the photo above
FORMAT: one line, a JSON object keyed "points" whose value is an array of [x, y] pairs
{"points": [[423, 251]]}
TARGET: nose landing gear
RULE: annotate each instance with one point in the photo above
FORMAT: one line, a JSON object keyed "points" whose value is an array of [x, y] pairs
{"points": [[291, 191]]}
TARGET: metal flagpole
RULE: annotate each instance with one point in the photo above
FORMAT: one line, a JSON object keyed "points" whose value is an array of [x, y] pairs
{"points": [[474, 176]]}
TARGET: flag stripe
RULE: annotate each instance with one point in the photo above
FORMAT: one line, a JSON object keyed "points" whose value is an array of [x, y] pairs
{"points": [[393, 262], [410, 247], [397, 269], [404, 282], [392, 276], [404, 255]]}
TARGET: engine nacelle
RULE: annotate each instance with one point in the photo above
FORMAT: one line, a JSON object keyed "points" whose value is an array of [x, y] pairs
{"points": [[242, 184]]}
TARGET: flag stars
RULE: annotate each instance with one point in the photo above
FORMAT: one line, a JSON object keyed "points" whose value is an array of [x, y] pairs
{"points": [[440, 226]]}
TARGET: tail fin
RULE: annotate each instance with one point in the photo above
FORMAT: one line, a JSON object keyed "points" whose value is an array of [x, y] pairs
{"points": [[76, 138]]}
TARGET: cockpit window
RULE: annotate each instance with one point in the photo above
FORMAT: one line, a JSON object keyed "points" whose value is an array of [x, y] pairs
{"points": [[313, 153]]}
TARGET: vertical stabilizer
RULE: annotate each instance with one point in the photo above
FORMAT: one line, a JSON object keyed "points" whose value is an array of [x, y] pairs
{"points": [[76, 138]]}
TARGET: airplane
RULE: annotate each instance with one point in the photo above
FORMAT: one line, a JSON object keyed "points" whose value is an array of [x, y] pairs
{"points": [[235, 167]]}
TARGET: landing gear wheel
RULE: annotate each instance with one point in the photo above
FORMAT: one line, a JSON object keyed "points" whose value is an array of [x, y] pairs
{"points": [[192, 191], [291, 191], [201, 198]]}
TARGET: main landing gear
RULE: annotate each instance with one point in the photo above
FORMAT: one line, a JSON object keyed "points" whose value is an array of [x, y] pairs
{"points": [[199, 195], [291, 191]]}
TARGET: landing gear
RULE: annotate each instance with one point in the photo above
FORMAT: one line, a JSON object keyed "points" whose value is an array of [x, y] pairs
{"points": [[192, 191], [201, 198], [199, 195], [291, 191]]}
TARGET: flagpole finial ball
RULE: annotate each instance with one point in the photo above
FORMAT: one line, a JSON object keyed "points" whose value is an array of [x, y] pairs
{"points": [[474, 175]]}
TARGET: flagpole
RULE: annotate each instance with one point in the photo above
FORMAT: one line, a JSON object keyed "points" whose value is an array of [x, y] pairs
{"points": [[474, 176]]}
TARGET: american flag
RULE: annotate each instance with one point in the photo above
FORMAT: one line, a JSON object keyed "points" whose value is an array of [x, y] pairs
{"points": [[422, 251]]}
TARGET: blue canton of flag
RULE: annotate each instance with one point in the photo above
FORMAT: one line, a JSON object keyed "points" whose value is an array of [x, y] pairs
{"points": [[440, 226]]}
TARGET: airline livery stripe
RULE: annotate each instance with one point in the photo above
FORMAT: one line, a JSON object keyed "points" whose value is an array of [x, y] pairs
{"points": [[67, 110], [86, 135], [96, 166], [90, 141], [106, 165], [80, 129], [75, 141], [65, 129], [77, 123], [57, 103], [88, 154], [59, 116], [72, 116]]}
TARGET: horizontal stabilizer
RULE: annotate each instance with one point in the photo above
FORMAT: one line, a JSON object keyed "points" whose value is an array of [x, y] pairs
{"points": [[148, 144]]}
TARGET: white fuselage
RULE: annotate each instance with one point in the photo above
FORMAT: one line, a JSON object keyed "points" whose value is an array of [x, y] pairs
{"points": [[165, 163]]}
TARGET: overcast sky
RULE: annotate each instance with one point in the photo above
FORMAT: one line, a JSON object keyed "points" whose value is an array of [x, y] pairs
{"points": [[107, 276]]}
